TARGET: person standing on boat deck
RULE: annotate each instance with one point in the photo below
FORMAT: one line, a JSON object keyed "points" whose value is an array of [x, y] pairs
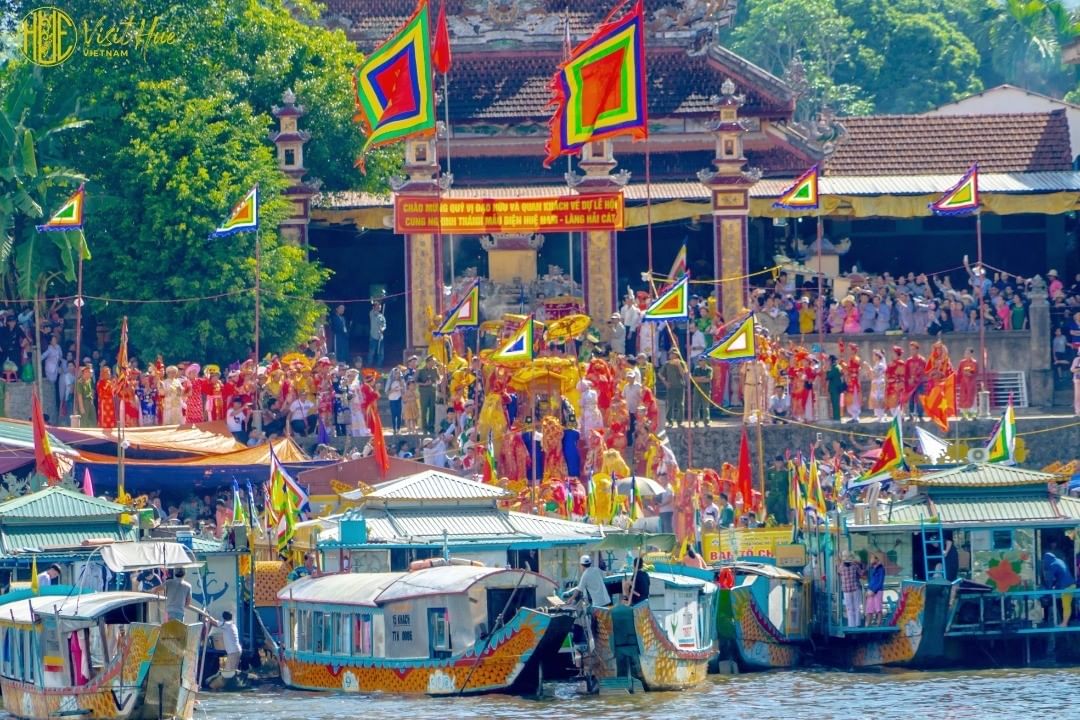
{"points": [[639, 588], [875, 591], [591, 585], [50, 577], [850, 573], [308, 569], [177, 595], [230, 638], [1056, 576]]}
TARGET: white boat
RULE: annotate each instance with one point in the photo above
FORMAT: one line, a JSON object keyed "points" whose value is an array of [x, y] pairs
{"points": [[98, 655]]}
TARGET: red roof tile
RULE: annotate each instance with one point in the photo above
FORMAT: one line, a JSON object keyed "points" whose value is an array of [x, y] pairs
{"points": [[498, 86], [929, 144]]}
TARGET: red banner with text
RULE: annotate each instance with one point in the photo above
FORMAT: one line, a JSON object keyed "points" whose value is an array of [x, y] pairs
{"points": [[465, 216]]}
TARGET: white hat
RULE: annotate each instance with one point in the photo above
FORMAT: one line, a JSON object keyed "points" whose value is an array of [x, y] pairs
{"points": [[1052, 273], [586, 560]]}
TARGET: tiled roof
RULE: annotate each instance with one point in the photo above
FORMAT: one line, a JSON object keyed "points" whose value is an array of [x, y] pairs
{"points": [[936, 144], [58, 503], [40, 537], [1010, 508], [507, 86], [435, 486], [984, 475]]}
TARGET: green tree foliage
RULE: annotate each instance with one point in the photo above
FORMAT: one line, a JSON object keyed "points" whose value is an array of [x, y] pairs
{"points": [[905, 56], [180, 131]]}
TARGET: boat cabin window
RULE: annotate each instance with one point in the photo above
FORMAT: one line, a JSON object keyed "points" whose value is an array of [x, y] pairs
{"points": [[322, 631], [361, 636], [1001, 539], [439, 632], [524, 559], [401, 557], [508, 602], [19, 658], [302, 620]]}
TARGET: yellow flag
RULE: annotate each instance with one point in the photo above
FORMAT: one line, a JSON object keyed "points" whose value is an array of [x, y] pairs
{"points": [[34, 587]]}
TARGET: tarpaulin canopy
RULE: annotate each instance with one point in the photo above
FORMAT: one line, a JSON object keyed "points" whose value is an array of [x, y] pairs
{"points": [[162, 441], [246, 465], [132, 556], [17, 446]]}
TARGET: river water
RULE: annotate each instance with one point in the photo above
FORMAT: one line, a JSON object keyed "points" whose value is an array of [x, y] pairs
{"points": [[1042, 694]]}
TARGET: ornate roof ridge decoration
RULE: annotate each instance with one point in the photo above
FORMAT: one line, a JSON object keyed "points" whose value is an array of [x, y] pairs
{"points": [[692, 24]]}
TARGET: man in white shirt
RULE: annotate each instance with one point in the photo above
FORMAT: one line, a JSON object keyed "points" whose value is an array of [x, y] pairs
{"points": [[591, 585], [49, 577], [236, 420], [230, 638]]}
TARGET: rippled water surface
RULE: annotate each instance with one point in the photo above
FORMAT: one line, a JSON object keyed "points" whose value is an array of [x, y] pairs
{"points": [[1036, 694]]}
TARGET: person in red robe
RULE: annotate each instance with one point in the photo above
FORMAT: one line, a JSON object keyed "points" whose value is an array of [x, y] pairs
{"points": [[215, 393], [106, 395], [894, 381], [966, 386], [938, 365], [193, 394], [800, 384], [853, 378], [915, 381], [126, 382]]}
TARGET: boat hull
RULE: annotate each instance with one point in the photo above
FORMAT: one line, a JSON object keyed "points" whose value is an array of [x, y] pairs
{"points": [[756, 643], [509, 663], [657, 662], [154, 676], [919, 639]]}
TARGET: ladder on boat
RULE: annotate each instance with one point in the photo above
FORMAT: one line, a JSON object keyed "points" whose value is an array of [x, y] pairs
{"points": [[933, 547]]}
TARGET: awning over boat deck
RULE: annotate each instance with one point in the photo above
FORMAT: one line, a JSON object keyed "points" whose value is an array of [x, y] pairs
{"points": [[372, 589], [135, 556], [71, 607], [164, 441]]}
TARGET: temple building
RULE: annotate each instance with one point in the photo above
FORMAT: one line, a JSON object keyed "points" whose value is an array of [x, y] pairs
{"points": [[723, 144]]}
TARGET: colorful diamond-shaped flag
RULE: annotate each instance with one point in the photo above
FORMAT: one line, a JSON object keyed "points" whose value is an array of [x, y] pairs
{"points": [[739, 345], [244, 217], [69, 216], [962, 198], [465, 314], [803, 193], [519, 347], [672, 304], [394, 93], [600, 91]]}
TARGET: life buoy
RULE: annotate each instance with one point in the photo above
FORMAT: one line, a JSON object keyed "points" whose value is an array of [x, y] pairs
{"points": [[726, 579]]}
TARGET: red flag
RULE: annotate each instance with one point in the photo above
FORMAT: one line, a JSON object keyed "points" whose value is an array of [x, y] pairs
{"points": [[440, 53], [43, 454], [940, 402], [745, 477], [378, 440]]}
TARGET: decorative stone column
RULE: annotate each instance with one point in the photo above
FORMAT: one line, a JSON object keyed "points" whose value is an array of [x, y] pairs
{"points": [[729, 186], [1041, 376], [290, 141], [423, 251], [598, 247]]}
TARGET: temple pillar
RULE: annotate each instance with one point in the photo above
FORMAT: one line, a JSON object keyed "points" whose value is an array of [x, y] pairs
{"points": [[599, 249], [729, 188], [423, 251], [1041, 375]]}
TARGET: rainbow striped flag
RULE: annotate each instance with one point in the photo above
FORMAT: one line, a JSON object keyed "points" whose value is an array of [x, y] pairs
{"points": [[395, 99], [600, 91]]}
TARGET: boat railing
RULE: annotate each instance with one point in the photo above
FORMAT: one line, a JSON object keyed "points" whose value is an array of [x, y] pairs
{"points": [[1025, 612]]}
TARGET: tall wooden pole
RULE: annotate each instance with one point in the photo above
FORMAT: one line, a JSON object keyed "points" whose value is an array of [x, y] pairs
{"points": [[983, 374], [257, 417], [761, 468], [820, 282], [79, 302]]}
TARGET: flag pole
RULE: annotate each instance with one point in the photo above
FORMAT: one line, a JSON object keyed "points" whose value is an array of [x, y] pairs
{"points": [[446, 122], [689, 394], [258, 302], [79, 302], [982, 300], [820, 280]]}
